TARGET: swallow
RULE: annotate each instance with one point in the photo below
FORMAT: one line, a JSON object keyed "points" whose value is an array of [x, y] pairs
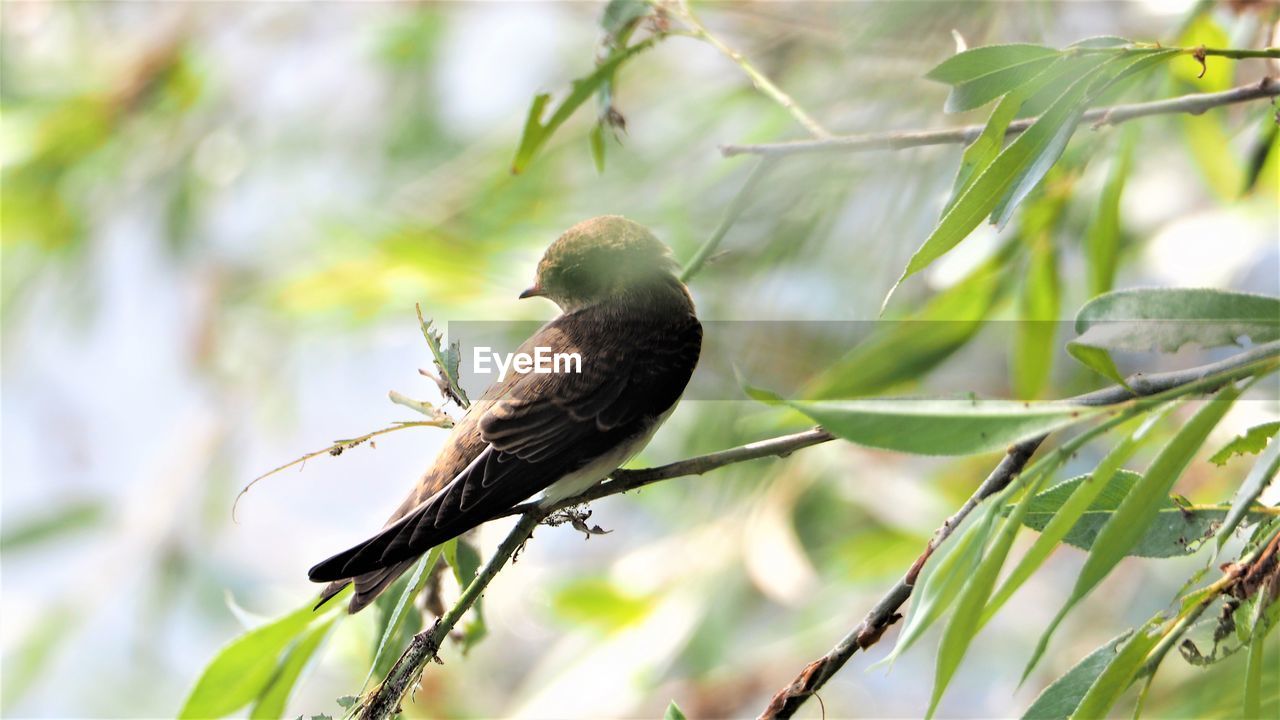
{"points": [[633, 323]]}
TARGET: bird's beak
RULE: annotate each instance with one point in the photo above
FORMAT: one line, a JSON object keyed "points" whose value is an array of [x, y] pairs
{"points": [[534, 291]]}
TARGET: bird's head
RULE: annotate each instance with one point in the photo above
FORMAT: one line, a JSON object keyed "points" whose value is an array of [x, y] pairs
{"points": [[599, 259]]}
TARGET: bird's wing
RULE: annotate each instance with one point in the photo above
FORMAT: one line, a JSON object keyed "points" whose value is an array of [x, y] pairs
{"points": [[543, 427]]}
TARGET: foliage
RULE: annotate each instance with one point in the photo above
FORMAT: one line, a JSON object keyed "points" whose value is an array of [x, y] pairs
{"points": [[813, 238]]}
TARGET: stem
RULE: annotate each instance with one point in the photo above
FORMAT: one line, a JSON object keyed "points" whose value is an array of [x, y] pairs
{"points": [[1271, 52], [759, 79], [731, 215], [1194, 104]]}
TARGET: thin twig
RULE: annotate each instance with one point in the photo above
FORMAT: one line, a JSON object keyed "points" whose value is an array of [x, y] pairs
{"points": [[731, 215], [885, 613], [1193, 104], [759, 79]]}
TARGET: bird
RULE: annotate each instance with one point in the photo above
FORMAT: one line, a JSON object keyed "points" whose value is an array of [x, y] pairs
{"points": [[633, 322]]}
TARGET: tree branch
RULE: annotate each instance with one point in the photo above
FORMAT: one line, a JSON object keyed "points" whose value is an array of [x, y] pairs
{"points": [[885, 613], [384, 701], [1194, 104]]}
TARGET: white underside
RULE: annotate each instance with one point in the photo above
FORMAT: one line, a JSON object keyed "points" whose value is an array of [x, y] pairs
{"points": [[599, 469]]}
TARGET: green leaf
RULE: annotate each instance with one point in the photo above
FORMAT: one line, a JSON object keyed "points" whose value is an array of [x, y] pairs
{"points": [[447, 360], [537, 132], [273, 702], [1263, 157], [1102, 41], [942, 580], [401, 609], [1066, 513], [1106, 75], [965, 621], [1098, 360], [620, 16], [1102, 239], [980, 61], [1263, 472], [1250, 443], [903, 350], [243, 668], [464, 559], [1165, 319], [1174, 531], [69, 519], [1058, 701], [673, 712], [1050, 84], [1140, 507], [941, 427], [1115, 678], [986, 192], [1253, 680], [1039, 304], [982, 90], [597, 146]]}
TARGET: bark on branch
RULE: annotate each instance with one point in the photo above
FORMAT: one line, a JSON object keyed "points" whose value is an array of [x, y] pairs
{"points": [[1194, 104]]}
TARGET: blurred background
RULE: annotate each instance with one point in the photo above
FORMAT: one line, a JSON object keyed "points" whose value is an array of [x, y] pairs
{"points": [[217, 218]]}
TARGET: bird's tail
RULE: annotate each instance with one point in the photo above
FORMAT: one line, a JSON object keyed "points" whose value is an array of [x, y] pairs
{"points": [[368, 585]]}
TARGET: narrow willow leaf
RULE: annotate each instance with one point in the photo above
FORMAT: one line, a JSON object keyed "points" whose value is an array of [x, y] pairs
{"points": [[1102, 41], [673, 712], [1058, 701], [1253, 680], [1165, 319], [243, 668], [536, 132], [1262, 157], [274, 701], [1263, 472], [902, 350], [942, 579], [1251, 442], [1102, 239], [981, 90], [1029, 176], [965, 623], [1039, 304], [1115, 679], [978, 62], [1097, 360], [1082, 495], [74, 517], [942, 427], [993, 184], [404, 605], [1178, 529], [1140, 507], [1050, 83], [597, 146], [464, 559], [621, 15]]}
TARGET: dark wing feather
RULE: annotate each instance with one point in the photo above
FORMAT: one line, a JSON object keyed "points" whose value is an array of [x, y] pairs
{"points": [[543, 427]]}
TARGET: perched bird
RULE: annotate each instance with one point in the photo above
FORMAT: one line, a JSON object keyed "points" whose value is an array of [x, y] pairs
{"points": [[632, 322]]}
